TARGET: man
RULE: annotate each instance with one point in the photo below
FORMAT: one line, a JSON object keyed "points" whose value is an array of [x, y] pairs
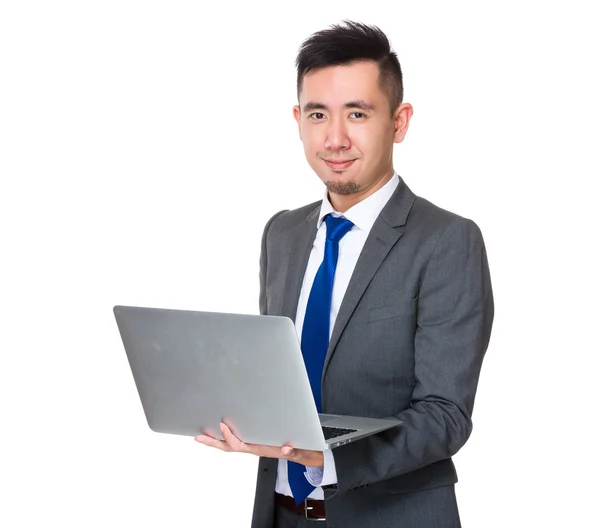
{"points": [[410, 306]]}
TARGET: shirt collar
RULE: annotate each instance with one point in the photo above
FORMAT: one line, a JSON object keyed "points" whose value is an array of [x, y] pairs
{"points": [[365, 212]]}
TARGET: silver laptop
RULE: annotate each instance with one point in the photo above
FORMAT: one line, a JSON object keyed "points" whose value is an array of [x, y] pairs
{"points": [[195, 369]]}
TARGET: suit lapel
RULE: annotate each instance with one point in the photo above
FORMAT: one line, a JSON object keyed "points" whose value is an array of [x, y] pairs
{"points": [[386, 231], [301, 238]]}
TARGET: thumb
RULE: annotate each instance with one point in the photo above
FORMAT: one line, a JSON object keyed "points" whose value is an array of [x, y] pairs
{"points": [[287, 451]]}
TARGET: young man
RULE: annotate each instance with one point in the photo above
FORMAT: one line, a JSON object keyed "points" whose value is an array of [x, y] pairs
{"points": [[406, 320]]}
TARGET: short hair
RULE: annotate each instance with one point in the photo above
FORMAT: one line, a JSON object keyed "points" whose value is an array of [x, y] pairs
{"points": [[351, 42]]}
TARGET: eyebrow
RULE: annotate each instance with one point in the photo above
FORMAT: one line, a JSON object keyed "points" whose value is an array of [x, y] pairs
{"points": [[358, 103]]}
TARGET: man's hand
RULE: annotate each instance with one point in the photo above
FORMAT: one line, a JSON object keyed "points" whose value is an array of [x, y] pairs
{"points": [[233, 444]]}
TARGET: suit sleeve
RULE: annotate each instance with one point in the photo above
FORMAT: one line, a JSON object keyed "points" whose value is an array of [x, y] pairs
{"points": [[454, 320], [262, 296]]}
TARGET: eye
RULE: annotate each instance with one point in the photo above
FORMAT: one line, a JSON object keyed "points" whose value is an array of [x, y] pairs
{"points": [[357, 115], [316, 116]]}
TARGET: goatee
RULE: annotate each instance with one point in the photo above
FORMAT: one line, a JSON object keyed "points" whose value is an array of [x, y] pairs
{"points": [[342, 188]]}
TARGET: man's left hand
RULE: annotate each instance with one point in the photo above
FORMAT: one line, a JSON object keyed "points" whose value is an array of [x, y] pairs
{"points": [[232, 444]]}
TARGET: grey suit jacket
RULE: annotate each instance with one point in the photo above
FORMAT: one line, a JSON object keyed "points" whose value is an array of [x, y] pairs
{"points": [[408, 341]]}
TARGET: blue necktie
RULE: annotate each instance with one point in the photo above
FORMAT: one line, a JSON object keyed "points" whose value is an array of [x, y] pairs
{"points": [[315, 335]]}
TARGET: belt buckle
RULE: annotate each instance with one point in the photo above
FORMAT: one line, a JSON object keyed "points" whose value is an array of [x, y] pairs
{"points": [[306, 508]]}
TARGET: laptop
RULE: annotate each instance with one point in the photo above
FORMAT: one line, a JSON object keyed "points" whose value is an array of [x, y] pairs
{"points": [[195, 369]]}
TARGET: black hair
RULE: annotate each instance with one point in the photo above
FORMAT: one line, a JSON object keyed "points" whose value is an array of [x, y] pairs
{"points": [[350, 42]]}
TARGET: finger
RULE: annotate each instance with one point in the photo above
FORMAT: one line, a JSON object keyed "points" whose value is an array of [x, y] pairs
{"points": [[212, 442], [287, 452], [232, 441]]}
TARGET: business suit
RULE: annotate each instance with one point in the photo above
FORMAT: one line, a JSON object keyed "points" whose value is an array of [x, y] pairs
{"points": [[408, 341]]}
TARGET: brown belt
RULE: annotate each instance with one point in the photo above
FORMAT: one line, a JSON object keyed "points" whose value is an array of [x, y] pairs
{"points": [[310, 508]]}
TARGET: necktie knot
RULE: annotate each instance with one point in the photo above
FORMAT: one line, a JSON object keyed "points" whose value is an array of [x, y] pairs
{"points": [[337, 227]]}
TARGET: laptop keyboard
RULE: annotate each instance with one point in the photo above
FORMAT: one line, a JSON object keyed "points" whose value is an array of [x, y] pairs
{"points": [[332, 432]]}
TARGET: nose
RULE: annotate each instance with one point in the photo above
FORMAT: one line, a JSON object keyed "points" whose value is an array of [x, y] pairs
{"points": [[337, 135]]}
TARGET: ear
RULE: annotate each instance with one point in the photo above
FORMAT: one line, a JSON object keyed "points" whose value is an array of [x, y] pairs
{"points": [[402, 117], [297, 118]]}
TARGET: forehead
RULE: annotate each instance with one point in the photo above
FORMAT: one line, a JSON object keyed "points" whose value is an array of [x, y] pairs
{"points": [[335, 85]]}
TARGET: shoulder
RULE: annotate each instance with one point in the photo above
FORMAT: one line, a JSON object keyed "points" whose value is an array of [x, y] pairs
{"points": [[289, 218], [439, 222]]}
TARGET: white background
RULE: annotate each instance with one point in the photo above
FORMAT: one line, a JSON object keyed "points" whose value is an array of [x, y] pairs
{"points": [[143, 145]]}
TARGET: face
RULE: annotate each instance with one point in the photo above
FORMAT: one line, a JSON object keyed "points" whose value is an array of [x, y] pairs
{"points": [[348, 130]]}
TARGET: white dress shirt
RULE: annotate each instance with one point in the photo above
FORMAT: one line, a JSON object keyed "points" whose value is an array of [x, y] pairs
{"points": [[363, 216]]}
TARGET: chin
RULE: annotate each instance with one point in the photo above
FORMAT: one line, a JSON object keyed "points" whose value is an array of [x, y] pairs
{"points": [[342, 187]]}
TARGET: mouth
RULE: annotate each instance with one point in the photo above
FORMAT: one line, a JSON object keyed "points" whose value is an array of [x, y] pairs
{"points": [[339, 165]]}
